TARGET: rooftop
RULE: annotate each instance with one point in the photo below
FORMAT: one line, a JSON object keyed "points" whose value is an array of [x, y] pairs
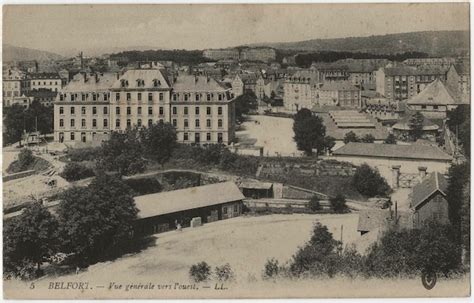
{"points": [[339, 86], [434, 93], [434, 182], [189, 198], [189, 83], [413, 151], [87, 83], [143, 78]]}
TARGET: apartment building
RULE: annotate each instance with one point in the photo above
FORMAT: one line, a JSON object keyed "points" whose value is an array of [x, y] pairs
{"points": [[339, 93], [300, 90], [202, 110], [14, 84], [82, 109], [458, 79], [221, 54], [258, 54], [50, 81]]}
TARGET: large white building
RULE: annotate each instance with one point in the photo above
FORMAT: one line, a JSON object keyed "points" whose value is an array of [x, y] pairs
{"points": [[92, 105]]}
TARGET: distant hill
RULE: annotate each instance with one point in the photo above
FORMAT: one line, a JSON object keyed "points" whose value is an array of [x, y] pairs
{"points": [[434, 43], [14, 53]]}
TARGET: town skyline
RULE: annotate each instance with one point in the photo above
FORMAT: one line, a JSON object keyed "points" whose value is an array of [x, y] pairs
{"points": [[162, 27]]}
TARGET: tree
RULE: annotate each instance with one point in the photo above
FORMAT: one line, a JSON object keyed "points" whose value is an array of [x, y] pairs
{"points": [[159, 141], [416, 125], [25, 158], [369, 182], [351, 137], [309, 131], [391, 139], [74, 171], [329, 143], [244, 104], [96, 222], [338, 203], [367, 139], [30, 238], [200, 272], [39, 118], [459, 122], [123, 153], [458, 177], [314, 203], [14, 123]]}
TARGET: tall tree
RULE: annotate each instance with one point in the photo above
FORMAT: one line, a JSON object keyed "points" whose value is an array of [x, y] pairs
{"points": [[416, 125], [309, 131], [351, 137], [367, 139], [123, 153], [369, 182], [96, 221], [29, 238], [244, 104], [39, 118], [15, 123], [458, 177], [159, 141]]}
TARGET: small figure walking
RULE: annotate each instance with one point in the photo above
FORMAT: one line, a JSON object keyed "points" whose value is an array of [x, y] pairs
{"points": [[77, 270]]}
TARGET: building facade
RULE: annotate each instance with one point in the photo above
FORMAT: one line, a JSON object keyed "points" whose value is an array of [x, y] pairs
{"points": [[50, 81], [339, 93], [221, 54], [258, 54]]}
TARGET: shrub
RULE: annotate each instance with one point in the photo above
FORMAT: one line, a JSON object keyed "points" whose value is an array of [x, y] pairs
{"points": [[75, 171], [200, 272], [367, 139], [351, 137], [83, 154], [25, 158], [271, 269], [369, 182], [224, 273], [314, 204], [338, 203]]}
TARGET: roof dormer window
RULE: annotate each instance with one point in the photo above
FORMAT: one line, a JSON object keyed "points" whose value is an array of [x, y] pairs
{"points": [[156, 83], [123, 83], [140, 82]]}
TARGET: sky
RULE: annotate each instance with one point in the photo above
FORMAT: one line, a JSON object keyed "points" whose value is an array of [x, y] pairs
{"points": [[66, 29]]}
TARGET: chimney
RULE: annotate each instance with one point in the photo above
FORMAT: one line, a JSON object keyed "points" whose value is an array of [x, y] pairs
{"points": [[85, 77], [96, 77], [118, 76]]}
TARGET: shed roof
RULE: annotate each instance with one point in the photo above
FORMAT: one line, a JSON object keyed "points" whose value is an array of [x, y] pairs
{"points": [[185, 199], [435, 182], [413, 151]]}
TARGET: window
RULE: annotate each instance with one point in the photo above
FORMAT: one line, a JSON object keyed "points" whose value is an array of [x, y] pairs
{"points": [[94, 123], [117, 123], [175, 123], [129, 96], [197, 97], [83, 110], [185, 110], [219, 97], [208, 110], [435, 106], [186, 97], [61, 97], [224, 210], [208, 123], [161, 121], [197, 123], [150, 96], [72, 136], [129, 110], [423, 106], [94, 97], [139, 122], [94, 110], [117, 96], [61, 110], [106, 96], [208, 97], [219, 138], [185, 137], [161, 110], [117, 110], [72, 122], [105, 110], [150, 122], [197, 110], [129, 123], [186, 123], [175, 110], [208, 136], [106, 123], [72, 110], [236, 208], [61, 122], [83, 97], [139, 110], [139, 96], [83, 122], [150, 110], [219, 123], [161, 96], [175, 97]]}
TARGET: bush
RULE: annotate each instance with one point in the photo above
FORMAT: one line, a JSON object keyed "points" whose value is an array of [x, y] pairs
{"points": [[314, 204], [75, 171], [338, 203], [200, 272], [83, 154], [25, 158], [271, 269], [369, 182], [224, 273]]}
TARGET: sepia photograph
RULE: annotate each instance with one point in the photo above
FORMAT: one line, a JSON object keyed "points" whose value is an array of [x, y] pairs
{"points": [[236, 151]]}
